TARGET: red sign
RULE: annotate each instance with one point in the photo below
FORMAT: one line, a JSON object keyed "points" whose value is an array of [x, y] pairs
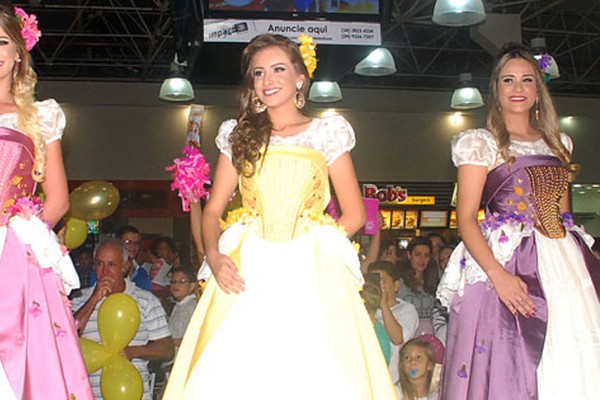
{"points": [[387, 194]]}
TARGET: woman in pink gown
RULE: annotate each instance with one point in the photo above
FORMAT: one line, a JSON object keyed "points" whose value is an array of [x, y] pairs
{"points": [[40, 356]]}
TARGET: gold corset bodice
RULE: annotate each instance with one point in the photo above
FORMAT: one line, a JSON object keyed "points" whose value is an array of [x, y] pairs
{"points": [[290, 188], [548, 185]]}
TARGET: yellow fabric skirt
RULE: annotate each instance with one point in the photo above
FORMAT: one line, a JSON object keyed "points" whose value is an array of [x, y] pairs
{"points": [[299, 331]]}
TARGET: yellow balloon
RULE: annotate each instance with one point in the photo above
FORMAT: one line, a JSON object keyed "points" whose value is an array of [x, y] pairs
{"points": [[120, 380], [118, 321], [76, 233], [94, 354], [94, 200]]}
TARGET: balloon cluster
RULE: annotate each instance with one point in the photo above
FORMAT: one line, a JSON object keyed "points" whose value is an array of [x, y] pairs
{"points": [[91, 200], [118, 322]]}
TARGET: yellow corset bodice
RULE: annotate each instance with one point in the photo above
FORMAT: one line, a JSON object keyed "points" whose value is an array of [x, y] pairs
{"points": [[289, 189]]}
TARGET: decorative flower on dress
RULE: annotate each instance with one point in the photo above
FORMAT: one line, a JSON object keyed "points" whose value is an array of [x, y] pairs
{"points": [[26, 207], [29, 28], [190, 176], [309, 54]]}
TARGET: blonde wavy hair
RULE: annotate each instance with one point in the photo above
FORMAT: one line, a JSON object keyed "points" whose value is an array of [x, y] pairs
{"points": [[22, 89], [253, 130], [548, 120]]}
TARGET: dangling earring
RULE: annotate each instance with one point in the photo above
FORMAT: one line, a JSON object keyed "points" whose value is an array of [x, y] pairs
{"points": [[257, 105], [299, 97], [537, 110]]}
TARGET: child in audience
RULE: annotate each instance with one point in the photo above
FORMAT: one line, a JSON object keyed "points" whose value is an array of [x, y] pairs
{"points": [[183, 289], [399, 318], [371, 294], [417, 366]]}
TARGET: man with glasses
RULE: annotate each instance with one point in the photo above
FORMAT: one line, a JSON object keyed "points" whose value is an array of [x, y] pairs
{"points": [[132, 239]]}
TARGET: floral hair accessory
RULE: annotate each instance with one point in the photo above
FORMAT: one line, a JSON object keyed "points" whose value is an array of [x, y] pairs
{"points": [[548, 66], [190, 176], [309, 54], [29, 28]]}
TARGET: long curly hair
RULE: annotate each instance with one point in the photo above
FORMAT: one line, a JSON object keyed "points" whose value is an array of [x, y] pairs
{"points": [[253, 130], [22, 89], [430, 275], [548, 120]]}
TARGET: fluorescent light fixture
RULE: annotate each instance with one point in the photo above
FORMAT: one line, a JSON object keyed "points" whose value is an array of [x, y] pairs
{"points": [[458, 12], [176, 88], [379, 63], [467, 96], [325, 92]]}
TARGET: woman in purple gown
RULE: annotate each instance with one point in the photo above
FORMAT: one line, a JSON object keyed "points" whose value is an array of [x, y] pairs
{"points": [[523, 286], [40, 356]]}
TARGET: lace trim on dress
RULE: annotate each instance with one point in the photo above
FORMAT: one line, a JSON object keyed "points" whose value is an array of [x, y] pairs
{"points": [[479, 147], [332, 136]]}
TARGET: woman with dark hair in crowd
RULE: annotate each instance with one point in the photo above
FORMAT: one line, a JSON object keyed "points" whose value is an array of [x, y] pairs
{"points": [[420, 281]]}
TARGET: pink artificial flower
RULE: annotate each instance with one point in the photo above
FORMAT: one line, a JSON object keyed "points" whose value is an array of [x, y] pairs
{"points": [[190, 176], [29, 28], [26, 207]]}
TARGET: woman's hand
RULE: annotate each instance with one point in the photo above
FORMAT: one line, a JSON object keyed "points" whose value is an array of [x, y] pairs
{"points": [[226, 273], [512, 291]]}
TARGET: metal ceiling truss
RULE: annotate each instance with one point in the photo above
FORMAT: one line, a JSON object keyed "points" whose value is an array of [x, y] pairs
{"points": [[134, 40], [118, 40], [429, 56]]}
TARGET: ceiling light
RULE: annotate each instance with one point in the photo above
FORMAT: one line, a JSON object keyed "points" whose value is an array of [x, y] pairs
{"points": [[325, 92], [546, 61], [176, 88], [467, 96], [458, 12], [379, 63]]}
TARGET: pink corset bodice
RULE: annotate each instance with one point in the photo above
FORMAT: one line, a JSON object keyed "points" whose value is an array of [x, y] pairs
{"points": [[16, 163]]}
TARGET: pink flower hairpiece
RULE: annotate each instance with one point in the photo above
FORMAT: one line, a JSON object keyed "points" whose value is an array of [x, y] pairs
{"points": [[190, 176], [29, 28]]}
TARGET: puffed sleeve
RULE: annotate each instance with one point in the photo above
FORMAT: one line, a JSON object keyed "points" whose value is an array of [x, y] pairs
{"points": [[474, 147], [52, 120], [222, 139], [338, 137], [567, 142]]}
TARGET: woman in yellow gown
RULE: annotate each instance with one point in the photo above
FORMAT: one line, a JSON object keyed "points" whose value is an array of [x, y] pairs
{"points": [[281, 316]]}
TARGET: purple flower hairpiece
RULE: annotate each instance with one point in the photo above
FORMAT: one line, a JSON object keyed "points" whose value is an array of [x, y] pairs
{"points": [[545, 63], [29, 28]]}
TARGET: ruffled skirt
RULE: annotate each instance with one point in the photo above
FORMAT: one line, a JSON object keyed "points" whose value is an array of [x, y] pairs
{"points": [[489, 352], [298, 331], [39, 348]]}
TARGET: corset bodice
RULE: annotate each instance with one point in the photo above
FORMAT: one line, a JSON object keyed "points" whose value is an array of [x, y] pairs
{"points": [[531, 186], [16, 159], [289, 189]]}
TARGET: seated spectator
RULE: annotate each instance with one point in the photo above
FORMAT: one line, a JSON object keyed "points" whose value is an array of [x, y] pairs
{"points": [[132, 239], [417, 371], [444, 256], [421, 280], [152, 341], [165, 253], [84, 265], [371, 295], [183, 289], [399, 318]]}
